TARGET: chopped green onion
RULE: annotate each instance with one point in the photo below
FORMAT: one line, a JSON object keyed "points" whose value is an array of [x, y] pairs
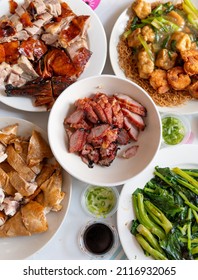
{"points": [[146, 47]]}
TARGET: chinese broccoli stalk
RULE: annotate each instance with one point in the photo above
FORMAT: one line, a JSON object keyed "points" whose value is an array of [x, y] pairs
{"points": [[191, 11], [145, 245], [166, 211], [143, 218]]}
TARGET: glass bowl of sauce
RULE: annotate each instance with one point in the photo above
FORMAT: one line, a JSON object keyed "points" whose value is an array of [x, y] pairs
{"points": [[100, 201], [98, 239], [175, 129]]}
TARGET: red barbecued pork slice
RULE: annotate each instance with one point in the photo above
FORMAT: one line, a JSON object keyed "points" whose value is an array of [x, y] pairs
{"points": [[132, 130], [77, 140], [131, 104], [136, 119]]}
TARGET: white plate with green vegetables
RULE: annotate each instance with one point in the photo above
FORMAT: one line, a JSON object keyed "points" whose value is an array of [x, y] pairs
{"points": [[181, 194]]}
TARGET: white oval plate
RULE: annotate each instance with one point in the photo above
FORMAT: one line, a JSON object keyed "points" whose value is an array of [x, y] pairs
{"points": [[97, 44], [190, 107], [21, 247], [182, 156]]}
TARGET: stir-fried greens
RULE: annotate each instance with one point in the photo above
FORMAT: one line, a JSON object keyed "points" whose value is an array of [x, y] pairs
{"points": [[166, 211]]}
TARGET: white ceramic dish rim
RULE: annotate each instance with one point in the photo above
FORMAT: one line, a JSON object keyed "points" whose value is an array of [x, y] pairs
{"points": [[97, 42], [12, 248], [191, 107], [182, 156], [55, 131]]}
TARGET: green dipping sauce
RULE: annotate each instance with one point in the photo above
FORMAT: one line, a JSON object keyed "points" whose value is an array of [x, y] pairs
{"points": [[100, 200], [173, 130]]}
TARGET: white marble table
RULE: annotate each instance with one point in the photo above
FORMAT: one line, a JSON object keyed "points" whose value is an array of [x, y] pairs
{"points": [[64, 244]]}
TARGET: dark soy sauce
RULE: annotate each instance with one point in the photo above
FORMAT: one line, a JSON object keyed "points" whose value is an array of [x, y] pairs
{"points": [[98, 238]]}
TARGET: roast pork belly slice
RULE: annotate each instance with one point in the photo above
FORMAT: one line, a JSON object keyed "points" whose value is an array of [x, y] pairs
{"points": [[46, 17], [136, 119], [52, 30], [16, 21], [39, 23], [26, 4], [15, 80], [28, 71], [7, 29], [5, 70], [33, 30], [49, 39], [11, 75], [53, 7], [40, 6], [21, 35], [132, 130], [53, 27], [79, 54], [33, 49], [20, 10], [73, 48], [131, 104], [76, 29]]}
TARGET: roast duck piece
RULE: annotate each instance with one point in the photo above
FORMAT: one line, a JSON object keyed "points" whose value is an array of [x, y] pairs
{"points": [[43, 44], [101, 124], [30, 183]]}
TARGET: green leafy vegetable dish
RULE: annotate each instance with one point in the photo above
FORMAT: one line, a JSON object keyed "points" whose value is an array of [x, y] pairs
{"points": [[166, 214]]}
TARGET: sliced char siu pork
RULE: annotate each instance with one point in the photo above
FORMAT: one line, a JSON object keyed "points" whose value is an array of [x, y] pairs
{"points": [[77, 140], [130, 151], [136, 119], [130, 104], [102, 133]]}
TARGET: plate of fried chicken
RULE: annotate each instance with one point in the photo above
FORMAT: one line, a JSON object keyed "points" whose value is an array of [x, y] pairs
{"points": [[45, 46]]}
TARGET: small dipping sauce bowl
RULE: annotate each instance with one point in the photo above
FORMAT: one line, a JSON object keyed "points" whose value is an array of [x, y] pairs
{"points": [[98, 239], [175, 129], [99, 201]]}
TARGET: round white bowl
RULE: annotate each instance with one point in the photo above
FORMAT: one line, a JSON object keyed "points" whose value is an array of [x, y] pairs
{"points": [[120, 170], [187, 128], [95, 214]]}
